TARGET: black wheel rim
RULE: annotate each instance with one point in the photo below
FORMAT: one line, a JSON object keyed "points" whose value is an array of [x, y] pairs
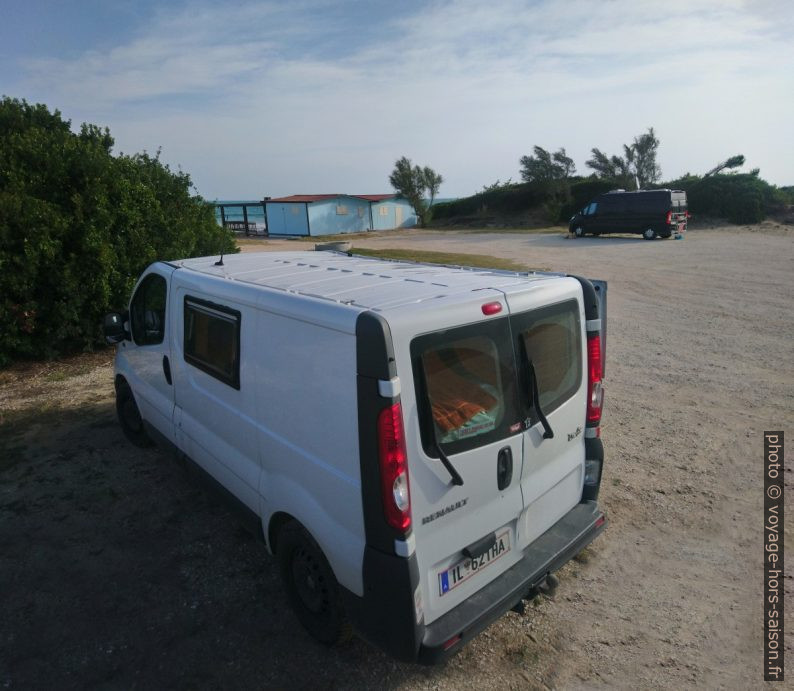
{"points": [[309, 582]]}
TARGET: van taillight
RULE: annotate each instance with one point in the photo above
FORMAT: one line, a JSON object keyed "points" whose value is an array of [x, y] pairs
{"points": [[595, 388], [669, 218], [394, 468]]}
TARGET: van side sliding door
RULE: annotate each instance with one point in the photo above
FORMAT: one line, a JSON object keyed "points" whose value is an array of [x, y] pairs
{"points": [[215, 395]]}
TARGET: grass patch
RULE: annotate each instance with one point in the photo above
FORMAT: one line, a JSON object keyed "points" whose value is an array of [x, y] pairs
{"points": [[484, 261]]}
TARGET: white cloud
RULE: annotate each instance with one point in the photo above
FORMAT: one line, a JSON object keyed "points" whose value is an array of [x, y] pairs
{"points": [[264, 99]]}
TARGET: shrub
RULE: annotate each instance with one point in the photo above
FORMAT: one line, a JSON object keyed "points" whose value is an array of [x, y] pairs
{"points": [[739, 197], [508, 198], [78, 225]]}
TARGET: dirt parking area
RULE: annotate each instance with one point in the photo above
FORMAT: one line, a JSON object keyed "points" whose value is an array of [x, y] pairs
{"points": [[118, 571]]}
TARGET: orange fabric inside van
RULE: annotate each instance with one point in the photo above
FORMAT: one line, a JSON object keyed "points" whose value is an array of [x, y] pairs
{"points": [[455, 396]]}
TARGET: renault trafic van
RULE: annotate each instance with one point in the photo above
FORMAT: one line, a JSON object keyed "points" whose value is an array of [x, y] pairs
{"points": [[650, 213], [418, 445]]}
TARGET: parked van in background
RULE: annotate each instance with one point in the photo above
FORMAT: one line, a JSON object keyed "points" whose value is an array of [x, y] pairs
{"points": [[650, 213], [418, 445]]}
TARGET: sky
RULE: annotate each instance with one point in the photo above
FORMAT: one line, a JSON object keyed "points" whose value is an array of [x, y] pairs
{"points": [[258, 99]]}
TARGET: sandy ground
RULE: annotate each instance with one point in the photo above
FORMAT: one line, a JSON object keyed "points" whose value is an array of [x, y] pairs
{"points": [[118, 571]]}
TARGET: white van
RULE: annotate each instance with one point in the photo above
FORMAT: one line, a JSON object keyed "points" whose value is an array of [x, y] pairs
{"points": [[418, 445]]}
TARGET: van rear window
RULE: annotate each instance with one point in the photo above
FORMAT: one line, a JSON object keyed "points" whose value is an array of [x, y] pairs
{"points": [[551, 339], [212, 340], [464, 387], [465, 381]]}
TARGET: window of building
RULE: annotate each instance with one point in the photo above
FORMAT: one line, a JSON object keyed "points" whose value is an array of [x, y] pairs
{"points": [[295, 209], [147, 311], [384, 211], [212, 340], [341, 210], [361, 212]]}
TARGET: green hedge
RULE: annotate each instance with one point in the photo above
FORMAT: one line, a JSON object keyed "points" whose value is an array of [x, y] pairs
{"points": [[513, 199], [739, 197], [78, 225], [504, 199]]}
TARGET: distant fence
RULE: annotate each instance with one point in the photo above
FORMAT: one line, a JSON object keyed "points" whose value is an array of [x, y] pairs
{"points": [[242, 217]]}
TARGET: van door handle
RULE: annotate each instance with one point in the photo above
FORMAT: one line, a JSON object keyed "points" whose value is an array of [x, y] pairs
{"points": [[167, 369]]}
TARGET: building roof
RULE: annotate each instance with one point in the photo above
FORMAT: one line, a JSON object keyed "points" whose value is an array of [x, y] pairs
{"points": [[306, 197], [324, 197], [375, 197]]}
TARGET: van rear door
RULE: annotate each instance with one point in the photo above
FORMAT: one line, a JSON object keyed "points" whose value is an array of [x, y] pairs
{"points": [[547, 323], [472, 389], [464, 403]]}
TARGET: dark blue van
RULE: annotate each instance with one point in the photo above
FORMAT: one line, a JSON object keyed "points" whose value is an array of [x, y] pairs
{"points": [[650, 213]]}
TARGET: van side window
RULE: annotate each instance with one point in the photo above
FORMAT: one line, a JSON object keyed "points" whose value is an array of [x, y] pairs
{"points": [[212, 340], [551, 339], [147, 311], [591, 209], [465, 386]]}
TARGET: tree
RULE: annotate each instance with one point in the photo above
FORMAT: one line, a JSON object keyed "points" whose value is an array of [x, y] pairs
{"points": [[414, 183], [78, 225], [643, 158], [549, 174], [638, 162], [733, 162], [545, 167]]}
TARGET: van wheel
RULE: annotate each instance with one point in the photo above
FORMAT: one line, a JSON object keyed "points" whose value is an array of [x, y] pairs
{"points": [[130, 417], [311, 586], [649, 234], [579, 232]]}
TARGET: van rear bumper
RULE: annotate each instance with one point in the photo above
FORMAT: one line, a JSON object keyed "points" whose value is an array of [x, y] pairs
{"points": [[565, 539], [385, 614]]}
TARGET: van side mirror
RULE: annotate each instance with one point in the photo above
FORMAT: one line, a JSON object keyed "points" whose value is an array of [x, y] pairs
{"points": [[113, 328]]}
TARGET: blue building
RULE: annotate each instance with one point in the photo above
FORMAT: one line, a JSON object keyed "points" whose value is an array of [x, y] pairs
{"points": [[388, 211], [332, 214]]}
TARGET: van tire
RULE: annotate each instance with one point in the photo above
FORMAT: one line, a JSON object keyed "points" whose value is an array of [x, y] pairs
{"points": [[311, 586], [130, 417], [649, 234], [579, 232]]}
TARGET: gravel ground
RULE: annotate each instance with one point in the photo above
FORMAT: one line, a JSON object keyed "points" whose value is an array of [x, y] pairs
{"points": [[118, 571]]}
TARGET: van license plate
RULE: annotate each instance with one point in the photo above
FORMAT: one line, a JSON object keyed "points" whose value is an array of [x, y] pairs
{"points": [[463, 570]]}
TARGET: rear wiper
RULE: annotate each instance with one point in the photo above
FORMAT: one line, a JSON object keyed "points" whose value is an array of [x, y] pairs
{"points": [[548, 432], [456, 478]]}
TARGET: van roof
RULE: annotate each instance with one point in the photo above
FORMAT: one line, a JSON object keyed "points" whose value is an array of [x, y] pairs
{"points": [[361, 282], [663, 190]]}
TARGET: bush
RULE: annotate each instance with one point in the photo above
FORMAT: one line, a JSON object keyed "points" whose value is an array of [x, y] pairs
{"points": [[739, 197], [509, 199], [78, 225]]}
